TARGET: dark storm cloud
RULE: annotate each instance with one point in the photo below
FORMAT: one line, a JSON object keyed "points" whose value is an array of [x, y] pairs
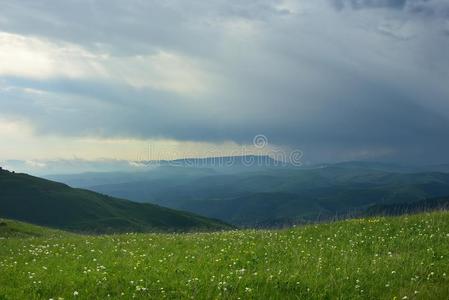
{"points": [[427, 8], [359, 4], [301, 73], [136, 27]]}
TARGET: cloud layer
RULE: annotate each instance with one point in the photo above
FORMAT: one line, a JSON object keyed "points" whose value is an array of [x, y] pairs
{"points": [[338, 79]]}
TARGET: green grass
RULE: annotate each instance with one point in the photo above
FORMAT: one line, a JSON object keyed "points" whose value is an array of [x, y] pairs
{"points": [[376, 258]]}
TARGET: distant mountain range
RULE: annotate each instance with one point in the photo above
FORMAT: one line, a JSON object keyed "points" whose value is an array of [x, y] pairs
{"points": [[227, 163], [43, 202], [269, 194], [75, 166]]}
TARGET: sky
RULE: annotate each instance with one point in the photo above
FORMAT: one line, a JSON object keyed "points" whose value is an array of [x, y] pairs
{"points": [[336, 79]]}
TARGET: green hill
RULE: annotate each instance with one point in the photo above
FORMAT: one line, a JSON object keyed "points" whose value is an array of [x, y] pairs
{"points": [[375, 258], [48, 203]]}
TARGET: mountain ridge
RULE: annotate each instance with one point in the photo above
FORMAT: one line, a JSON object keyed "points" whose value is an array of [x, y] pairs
{"points": [[48, 203]]}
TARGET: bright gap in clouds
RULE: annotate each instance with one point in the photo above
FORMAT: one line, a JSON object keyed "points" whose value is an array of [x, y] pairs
{"points": [[20, 142], [37, 58]]}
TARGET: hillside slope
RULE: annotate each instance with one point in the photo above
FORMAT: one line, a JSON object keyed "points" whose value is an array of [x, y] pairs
{"points": [[44, 202], [396, 209], [376, 258]]}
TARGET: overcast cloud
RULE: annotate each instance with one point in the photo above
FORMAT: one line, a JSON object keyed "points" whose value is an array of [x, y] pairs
{"points": [[354, 79]]}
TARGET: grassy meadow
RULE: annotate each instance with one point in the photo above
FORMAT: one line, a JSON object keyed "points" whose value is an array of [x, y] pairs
{"points": [[377, 258]]}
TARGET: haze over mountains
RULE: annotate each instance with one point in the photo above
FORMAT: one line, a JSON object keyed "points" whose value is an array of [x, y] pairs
{"points": [[248, 191], [269, 194]]}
